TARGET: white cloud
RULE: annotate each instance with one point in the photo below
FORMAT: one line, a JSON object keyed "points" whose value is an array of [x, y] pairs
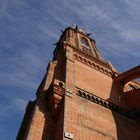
{"points": [[23, 70], [14, 105], [131, 35], [133, 6]]}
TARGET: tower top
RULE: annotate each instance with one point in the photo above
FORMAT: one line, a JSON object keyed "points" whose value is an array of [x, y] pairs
{"points": [[80, 41], [79, 30]]}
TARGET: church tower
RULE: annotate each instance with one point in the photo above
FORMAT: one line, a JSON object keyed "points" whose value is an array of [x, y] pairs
{"points": [[83, 97]]}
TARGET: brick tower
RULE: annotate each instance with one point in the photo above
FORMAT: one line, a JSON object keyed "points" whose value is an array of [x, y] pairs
{"points": [[82, 97]]}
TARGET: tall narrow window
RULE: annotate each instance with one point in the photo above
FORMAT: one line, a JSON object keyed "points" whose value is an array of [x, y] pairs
{"points": [[84, 42]]}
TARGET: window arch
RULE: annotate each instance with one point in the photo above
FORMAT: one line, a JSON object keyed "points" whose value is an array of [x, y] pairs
{"points": [[131, 87], [84, 42]]}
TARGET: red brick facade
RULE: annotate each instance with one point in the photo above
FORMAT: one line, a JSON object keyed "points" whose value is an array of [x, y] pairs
{"points": [[82, 97]]}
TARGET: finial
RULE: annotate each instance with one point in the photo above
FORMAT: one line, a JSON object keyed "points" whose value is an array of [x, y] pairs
{"points": [[76, 28], [55, 43], [89, 34], [72, 25], [62, 31]]}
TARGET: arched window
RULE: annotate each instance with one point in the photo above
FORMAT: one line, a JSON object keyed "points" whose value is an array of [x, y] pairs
{"points": [[131, 87], [84, 42]]}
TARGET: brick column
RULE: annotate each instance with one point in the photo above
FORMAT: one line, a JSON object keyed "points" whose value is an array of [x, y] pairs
{"points": [[69, 81]]}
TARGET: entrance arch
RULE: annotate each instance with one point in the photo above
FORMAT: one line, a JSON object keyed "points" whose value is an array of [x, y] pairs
{"points": [[132, 97]]}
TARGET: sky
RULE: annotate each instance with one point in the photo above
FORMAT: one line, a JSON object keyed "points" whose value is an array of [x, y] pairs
{"points": [[28, 30]]}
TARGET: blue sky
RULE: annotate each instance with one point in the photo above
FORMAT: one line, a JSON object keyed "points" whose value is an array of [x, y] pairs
{"points": [[28, 28]]}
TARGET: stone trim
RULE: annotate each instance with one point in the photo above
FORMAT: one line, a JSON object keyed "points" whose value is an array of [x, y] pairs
{"points": [[132, 114], [68, 135], [68, 92], [93, 65]]}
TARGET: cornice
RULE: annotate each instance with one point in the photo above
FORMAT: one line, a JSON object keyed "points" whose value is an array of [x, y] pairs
{"points": [[93, 64], [86, 53], [132, 114]]}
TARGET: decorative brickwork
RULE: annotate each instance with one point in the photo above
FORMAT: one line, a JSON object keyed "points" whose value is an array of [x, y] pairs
{"points": [[54, 99], [81, 96], [93, 64], [133, 114]]}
